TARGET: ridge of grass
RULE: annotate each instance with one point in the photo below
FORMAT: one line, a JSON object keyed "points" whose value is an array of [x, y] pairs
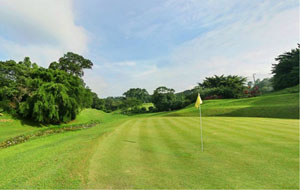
{"points": [[44, 132], [273, 105], [11, 127]]}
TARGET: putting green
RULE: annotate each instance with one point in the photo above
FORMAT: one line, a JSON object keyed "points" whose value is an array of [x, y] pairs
{"points": [[160, 152], [165, 153]]}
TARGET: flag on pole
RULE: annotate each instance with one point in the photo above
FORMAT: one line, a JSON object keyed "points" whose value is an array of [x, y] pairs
{"points": [[198, 101], [198, 106]]}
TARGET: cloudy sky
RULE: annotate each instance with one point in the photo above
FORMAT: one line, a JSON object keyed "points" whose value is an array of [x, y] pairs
{"points": [[134, 43]]}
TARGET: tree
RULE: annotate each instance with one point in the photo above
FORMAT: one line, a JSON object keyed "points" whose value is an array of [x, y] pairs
{"points": [[40, 94], [97, 102], [138, 93], [50, 104], [130, 103], [163, 98], [72, 63], [264, 85], [230, 86], [286, 72]]}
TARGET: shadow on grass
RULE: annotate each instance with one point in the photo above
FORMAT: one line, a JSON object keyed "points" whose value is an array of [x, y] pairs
{"points": [[25, 121]]}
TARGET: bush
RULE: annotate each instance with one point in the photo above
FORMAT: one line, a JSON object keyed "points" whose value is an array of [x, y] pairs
{"points": [[151, 109], [143, 110]]}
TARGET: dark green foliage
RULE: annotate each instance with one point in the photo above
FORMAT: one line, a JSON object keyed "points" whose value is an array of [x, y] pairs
{"points": [[130, 103], [72, 63], [43, 95], [113, 103], [151, 109], [165, 99], [286, 72], [139, 94], [50, 104], [230, 86], [97, 102]]}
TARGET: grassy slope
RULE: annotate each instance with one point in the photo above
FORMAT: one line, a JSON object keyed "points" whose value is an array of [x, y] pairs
{"points": [[11, 127], [56, 161], [274, 105]]}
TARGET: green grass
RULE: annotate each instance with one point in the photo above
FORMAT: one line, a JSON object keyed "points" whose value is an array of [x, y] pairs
{"points": [[153, 151], [160, 152], [272, 105], [11, 127]]}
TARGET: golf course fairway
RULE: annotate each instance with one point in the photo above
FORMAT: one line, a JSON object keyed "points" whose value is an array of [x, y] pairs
{"points": [[150, 152]]}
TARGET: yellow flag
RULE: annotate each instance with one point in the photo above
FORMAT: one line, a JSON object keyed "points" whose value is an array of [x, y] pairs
{"points": [[198, 101]]}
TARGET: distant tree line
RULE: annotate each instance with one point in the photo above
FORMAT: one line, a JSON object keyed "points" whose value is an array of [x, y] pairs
{"points": [[286, 74], [58, 93]]}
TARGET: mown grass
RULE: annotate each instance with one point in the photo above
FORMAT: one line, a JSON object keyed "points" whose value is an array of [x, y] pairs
{"points": [[57, 161], [271, 105], [160, 152], [153, 151], [164, 152]]}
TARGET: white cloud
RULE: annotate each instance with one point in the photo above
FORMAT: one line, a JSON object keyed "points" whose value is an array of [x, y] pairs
{"points": [[95, 81], [42, 30], [246, 46]]}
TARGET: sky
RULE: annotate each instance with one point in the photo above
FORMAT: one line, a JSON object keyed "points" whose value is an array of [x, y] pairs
{"points": [[147, 44]]}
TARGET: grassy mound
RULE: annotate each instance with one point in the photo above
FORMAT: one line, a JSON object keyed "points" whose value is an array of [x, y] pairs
{"points": [[281, 104], [11, 127]]}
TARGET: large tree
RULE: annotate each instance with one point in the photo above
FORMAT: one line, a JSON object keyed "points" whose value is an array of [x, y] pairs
{"points": [[40, 94], [138, 93], [163, 98], [72, 63], [230, 86], [286, 71]]}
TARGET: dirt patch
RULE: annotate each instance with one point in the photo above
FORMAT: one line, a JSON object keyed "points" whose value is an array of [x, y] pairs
{"points": [[6, 120], [23, 138]]}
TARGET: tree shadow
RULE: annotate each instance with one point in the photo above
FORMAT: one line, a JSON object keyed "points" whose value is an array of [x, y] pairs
{"points": [[25, 121]]}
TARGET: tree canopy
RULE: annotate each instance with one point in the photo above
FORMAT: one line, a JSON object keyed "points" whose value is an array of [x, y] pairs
{"points": [[72, 63], [286, 71], [163, 98], [138, 93], [43, 95], [230, 86]]}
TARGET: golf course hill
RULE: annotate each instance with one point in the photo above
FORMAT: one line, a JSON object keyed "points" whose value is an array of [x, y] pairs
{"points": [[249, 143], [280, 104]]}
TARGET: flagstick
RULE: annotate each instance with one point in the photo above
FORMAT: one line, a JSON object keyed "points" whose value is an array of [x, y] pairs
{"points": [[201, 127]]}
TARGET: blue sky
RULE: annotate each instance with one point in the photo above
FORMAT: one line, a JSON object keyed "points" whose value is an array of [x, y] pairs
{"points": [[134, 43]]}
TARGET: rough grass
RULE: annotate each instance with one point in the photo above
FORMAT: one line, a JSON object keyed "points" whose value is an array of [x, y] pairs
{"points": [[11, 127]]}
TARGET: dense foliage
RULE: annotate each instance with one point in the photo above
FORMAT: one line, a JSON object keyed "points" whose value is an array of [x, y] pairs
{"points": [[43, 95], [72, 63], [165, 99], [286, 72], [230, 86], [139, 94]]}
